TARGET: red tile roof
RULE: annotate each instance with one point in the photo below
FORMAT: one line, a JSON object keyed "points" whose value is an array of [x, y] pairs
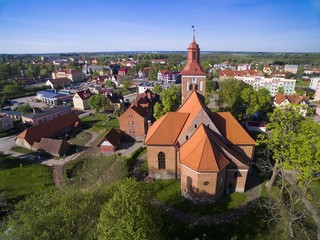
{"points": [[231, 129], [201, 153], [113, 137], [166, 130], [47, 129], [84, 94]]}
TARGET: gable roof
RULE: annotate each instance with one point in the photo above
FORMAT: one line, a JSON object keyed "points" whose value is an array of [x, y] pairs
{"points": [[291, 98], [54, 146], [84, 94], [201, 153], [59, 80], [231, 129], [113, 137], [166, 130], [47, 129], [48, 111]]}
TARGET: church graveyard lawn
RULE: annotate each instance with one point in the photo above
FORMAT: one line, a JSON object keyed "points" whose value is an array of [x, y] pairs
{"points": [[80, 139], [20, 178], [168, 191]]}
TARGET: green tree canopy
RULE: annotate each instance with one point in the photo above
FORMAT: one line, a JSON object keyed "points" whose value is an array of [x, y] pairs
{"points": [[12, 90], [126, 84], [294, 143], [129, 215], [65, 214], [24, 109], [241, 99], [170, 101], [98, 102]]}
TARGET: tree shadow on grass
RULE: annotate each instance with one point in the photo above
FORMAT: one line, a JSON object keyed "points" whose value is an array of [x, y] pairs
{"points": [[9, 162]]}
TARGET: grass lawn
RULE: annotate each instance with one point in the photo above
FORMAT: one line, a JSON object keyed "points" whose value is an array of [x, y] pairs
{"points": [[168, 191], [19, 178], [100, 122], [80, 139], [22, 150]]}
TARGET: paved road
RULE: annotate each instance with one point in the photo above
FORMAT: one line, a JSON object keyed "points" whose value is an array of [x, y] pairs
{"points": [[6, 143]]}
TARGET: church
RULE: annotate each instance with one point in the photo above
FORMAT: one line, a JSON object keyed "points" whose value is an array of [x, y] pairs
{"points": [[209, 151]]}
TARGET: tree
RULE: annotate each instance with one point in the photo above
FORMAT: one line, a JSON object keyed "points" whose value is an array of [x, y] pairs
{"points": [[152, 74], [126, 84], [170, 101], [129, 215], [98, 102], [292, 142], [157, 89], [24, 109], [12, 90], [65, 214]]}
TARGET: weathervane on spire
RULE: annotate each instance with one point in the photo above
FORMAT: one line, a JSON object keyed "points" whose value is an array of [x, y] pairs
{"points": [[194, 30]]}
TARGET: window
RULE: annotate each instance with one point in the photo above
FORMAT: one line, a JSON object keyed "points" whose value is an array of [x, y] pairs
{"points": [[195, 126], [188, 86], [133, 123], [201, 86], [194, 80], [196, 87], [189, 183], [161, 160], [187, 137]]}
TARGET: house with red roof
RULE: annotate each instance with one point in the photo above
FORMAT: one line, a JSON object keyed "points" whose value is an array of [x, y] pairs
{"points": [[210, 152], [110, 141], [80, 99], [282, 100]]}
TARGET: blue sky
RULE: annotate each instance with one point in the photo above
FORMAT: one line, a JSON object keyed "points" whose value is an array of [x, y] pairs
{"points": [[47, 26]]}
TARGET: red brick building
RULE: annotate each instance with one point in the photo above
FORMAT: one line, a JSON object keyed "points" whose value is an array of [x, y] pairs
{"points": [[110, 141], [210, 152]]}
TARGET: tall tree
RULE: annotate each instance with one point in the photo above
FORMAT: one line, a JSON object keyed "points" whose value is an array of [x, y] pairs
{"points": [[98, 102], [170, 101], [129, 215]]}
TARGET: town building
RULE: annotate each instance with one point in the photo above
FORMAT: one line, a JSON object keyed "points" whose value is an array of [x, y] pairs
{"points": [[6, 122], [53, 98], [31, 137], [71, 74], [167, 77], [317, 93], [257, 80], [314, 82], [135, 121], [210, 152], [291, 69], [80, 100], [45, 115], [282, 100], [58, 82]]}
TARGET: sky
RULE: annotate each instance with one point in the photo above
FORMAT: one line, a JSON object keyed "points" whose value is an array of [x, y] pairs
{"points": [[55, 26]]}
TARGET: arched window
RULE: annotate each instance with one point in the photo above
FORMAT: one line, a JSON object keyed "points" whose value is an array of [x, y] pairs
{"points": [[201, 86], [161, 160], [187, 137], [187, 85], [196, 87], [190, 87], [189, 183]]}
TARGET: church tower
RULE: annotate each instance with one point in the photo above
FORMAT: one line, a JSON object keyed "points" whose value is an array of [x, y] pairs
{"points": [[193, 77]]}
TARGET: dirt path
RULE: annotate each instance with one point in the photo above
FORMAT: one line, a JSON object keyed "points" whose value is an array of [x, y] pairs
{"points": [[58, 165]]}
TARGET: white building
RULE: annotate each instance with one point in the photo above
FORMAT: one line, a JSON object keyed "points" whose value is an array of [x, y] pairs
{"points": [[317, 93], [314, 83], [291, 68], [271, 84]]}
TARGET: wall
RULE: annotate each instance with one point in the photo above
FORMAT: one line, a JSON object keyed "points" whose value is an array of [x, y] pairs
{"points": [[132, 123], [170, 159]]}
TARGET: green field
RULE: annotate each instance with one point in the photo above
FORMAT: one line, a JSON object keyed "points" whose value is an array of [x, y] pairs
{"points": [[20, 178], [100, 122]]}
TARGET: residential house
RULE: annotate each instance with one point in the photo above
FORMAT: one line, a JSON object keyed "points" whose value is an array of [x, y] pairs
{"points": [[122, 71], [115, 100], [282, 100], [110, 141], [243, 67], [80, 100], [135, 121], [45, 115], [58, 82], [55, 147], [31, 137], [71, 74], [6, 122], [167, 77], [210, 152], [291, 69]]}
